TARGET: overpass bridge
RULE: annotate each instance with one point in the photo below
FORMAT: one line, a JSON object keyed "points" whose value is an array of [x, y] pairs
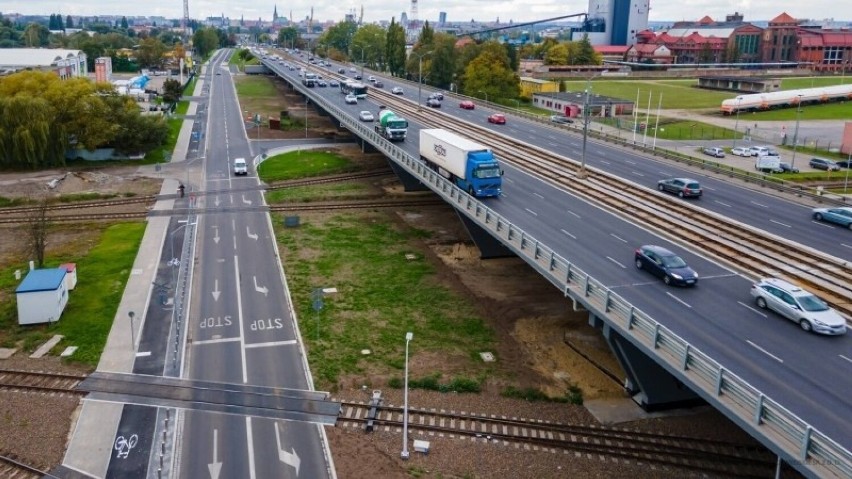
{"points": [[803, 418]]}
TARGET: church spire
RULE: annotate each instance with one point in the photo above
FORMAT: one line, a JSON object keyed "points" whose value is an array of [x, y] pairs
{"points": [[275, 13]]}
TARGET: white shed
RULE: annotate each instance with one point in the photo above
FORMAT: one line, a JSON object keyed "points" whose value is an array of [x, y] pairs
{"points": [[42, 296]]}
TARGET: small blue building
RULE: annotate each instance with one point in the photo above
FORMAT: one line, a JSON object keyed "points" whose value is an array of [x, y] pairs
{"points": [[42, 296]]}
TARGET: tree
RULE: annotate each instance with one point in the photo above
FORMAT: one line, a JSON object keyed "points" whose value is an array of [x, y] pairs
{"points": [[205, 40], [35, 35], [586, 52], [427, 35], [69, 23], [288, 37], [150, 53], [172, 91], [395, 48], [339, 36], [732, 53], [124, 25], [491, 74], [705, 54], [36, 230], [557, 55], [442, 69], [371, 40]]}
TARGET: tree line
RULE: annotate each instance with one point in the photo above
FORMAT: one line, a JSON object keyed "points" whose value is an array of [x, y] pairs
{"points": [[42, 117]]}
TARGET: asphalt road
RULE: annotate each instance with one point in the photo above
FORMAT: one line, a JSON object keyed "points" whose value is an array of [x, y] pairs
{"points": [[808, 374]]}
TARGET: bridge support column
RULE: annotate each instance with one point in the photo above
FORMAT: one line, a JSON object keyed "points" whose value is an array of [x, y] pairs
{"points": [[409, 182], [489, 246], [650, 385]]}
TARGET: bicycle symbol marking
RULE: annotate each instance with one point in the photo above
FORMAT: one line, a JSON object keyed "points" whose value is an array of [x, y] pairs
{"points": [[123, 446]]}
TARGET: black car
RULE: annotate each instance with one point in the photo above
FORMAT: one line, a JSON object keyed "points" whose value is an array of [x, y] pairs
{"points": [[433, 102], [683, 187], [341, 70], [357, 77], [823, 164], [664, 264], [787, 168], [378, 84], [844, 163]]}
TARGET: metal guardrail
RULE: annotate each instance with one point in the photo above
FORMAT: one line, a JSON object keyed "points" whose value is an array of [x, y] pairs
{"points": [[804, 447]]}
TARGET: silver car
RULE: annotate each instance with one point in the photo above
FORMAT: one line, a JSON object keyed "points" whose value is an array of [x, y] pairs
{"points": [[797, 305]]}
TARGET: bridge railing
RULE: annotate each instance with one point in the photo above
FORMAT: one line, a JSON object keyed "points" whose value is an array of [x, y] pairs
{"points": [[804, 447]]}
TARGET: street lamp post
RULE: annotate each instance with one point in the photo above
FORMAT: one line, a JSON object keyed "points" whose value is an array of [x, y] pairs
{"points": [[306, 116], [484, 93], [796, 131], [408, 337], [582, 173], [132, 332], [359, 47], [420, 76]]}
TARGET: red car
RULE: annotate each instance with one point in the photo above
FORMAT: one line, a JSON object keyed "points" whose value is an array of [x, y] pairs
{"points": [[467, 105], [497, 118]]}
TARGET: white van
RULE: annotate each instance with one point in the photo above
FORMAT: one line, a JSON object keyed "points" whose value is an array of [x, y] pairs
{"points": [[768, 164], [763, 151], [240, 167]]}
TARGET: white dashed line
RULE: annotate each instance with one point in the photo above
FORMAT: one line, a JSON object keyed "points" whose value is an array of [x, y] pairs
{"points": [[780, 223], [679, 300], [630, 162], [824, 225], [616, 262], [569, 234], [531, 212], [723, 204], [844, 357], [765, 352], [637, 173], [758, 204], [618, 238], [572, 213], [749, 307], [538, 195]]}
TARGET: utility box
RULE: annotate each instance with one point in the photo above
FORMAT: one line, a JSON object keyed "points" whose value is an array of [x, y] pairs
{"points": [[274, 123], [42, 296], [421, 446]]}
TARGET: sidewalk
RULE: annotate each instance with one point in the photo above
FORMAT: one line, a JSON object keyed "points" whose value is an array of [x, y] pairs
{"points": [[91, 445]]}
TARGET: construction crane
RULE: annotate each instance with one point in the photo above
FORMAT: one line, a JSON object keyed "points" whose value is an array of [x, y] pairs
{"points": [[185, 22], [361, 16], [517, 25]]}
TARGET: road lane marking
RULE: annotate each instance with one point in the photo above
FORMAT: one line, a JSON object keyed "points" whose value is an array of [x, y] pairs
{"points": [[765, 352], [143, 354], [271, 343], [846, 245], [215, 341], [679, 300], [531, 212], [753, 309], [569, 234], [250, 443], [618, 238], [723, 204], [605, 162], [780, 223], [758, 204], [572, 213], [630, 162], [240, 317], [844, 357], [824, 225], [616, 262], [636, 173], [552, 144]]}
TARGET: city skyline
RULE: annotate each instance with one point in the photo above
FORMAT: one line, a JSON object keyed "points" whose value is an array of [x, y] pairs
{"points": [[324, 10]]}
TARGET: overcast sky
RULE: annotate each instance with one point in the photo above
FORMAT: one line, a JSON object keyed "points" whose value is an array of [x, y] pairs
{"points": [[482, 10]]}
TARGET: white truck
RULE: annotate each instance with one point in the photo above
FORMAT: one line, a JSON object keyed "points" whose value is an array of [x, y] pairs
{"points": [[768, 164], [469, 165], [240, 167]]}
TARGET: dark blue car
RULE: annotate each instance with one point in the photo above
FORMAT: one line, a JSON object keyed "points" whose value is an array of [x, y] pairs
{"points": [[664, 264]]}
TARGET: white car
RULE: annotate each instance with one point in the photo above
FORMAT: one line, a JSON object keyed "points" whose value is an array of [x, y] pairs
{"points": [[798, 305], [397, 90], [365, 116], [371, 78], [741, 151], [351, 99]]}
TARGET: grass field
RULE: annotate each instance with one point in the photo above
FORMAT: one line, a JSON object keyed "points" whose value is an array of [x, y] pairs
{"points": [[676, 94], [318, 193], [257, 94], [88, 316], [302, 164], [380, 296]]}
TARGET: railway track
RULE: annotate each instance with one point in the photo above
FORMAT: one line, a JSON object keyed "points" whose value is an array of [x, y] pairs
{"points": [[696, 454], [79, 205], [752, 250], [41, 382]]}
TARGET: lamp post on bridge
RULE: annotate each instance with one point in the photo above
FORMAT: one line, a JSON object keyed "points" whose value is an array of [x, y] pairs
{"points": [[582, 173], [420, 75]]}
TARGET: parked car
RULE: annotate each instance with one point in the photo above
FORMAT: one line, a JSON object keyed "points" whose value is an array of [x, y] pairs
{"points": [[794, 303], [844, 163], [365, 116], [560, 119], [840, 215], [741, 151], [433, 102], [823, 164], [397, 90], [351, 99], [467, 105], [664, 264], [683, 187], [714, 151], [787, 167], [497, 118], [763, 151]]}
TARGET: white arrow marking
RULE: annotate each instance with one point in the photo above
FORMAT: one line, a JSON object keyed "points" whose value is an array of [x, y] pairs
{"points": [[216, 201], [291, 459], [216, 238], [216, 291], [248, 202], [215, 467], [259, 289], [248, 232]]}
